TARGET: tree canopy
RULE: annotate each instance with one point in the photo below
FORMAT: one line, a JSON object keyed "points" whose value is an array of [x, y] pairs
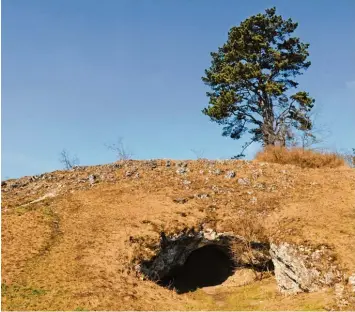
{"points": [[251, 76]]}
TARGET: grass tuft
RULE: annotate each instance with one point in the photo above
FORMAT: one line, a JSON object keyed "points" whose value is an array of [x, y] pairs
{"points": [[300, 157]]}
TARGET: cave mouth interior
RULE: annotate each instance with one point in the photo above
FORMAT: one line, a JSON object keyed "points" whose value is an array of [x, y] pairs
{"points": [[210, 265]]}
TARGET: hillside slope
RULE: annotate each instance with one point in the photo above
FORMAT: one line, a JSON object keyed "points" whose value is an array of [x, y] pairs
{"points": [[71, 239]]}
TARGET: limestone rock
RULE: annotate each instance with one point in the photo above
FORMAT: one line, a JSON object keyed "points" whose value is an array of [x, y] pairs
{"points": [[216, 171], [201, 195], [300, 269], [180, 200], [230, 174], [92, 179], [243, 181], [152, 164], [352, 282], [181, 170]]}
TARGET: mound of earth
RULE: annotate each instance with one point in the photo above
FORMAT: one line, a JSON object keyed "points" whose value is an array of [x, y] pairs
{"points": [[180, 235]]}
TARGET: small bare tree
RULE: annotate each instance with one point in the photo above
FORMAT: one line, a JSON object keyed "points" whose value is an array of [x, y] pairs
{"points": [[122, 153], [309, 138], [349, 157], [199, 153], [68, 161]]}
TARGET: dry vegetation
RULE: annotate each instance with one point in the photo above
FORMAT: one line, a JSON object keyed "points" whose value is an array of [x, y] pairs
{"points": [[75, 250], [300, 157]]}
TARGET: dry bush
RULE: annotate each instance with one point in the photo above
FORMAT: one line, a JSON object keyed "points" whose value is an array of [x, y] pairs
{"points": [[122, 153], [299, 157], [349, 158], [252, 249], [68, 161]]}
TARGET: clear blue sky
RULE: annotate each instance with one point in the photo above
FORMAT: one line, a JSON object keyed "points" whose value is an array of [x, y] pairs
{"points": [[77, 74]]}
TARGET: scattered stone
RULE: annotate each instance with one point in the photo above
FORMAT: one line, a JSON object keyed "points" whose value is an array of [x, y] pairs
{"points": [[201, 196], [181, 164], [339, 295], [180, 200], [152, 164], [92, 179], [211, 208], [230, 174], [34, 178], [254, 200], [352, 282], [48, 177], [130, 173], [181, 170], [137, 176], [257, 173], [260, 186], [201, 172], [243, 181], [339, 290], [216, 171], [186, 182], [15, 185], [215, 188]]}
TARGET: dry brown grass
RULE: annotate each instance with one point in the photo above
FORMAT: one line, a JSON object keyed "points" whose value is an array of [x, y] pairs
{"points": [[300, 157]]}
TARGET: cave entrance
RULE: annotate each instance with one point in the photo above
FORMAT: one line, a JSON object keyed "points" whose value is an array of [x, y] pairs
{"points": [[206, 266]]}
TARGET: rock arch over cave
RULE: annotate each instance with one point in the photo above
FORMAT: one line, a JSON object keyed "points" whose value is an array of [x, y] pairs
{"points": [[192, 260]]}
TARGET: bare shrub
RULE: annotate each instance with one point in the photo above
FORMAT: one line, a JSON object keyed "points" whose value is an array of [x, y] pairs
{"points": [[68, 161], [310, 139], [199, 153], [300, 157], [122, 153], [349, 158], [244, 251]]}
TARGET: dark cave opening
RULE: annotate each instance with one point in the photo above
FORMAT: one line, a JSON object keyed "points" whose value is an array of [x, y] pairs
{"points": [[206, 266]]}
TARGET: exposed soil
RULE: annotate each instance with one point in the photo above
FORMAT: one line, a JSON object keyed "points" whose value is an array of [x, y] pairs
{"points": [[77, 248]]}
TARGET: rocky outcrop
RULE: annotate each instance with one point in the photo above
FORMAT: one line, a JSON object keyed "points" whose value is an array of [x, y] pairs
{"points": [[297, 268], [302, 269], [174, 251]]}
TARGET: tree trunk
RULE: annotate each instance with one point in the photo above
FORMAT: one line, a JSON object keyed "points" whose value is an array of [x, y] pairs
{"points": [[268, 130], [269, 136]]}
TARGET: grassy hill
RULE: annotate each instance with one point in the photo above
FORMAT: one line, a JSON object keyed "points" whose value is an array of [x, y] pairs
{"points": [[71, 239]]}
